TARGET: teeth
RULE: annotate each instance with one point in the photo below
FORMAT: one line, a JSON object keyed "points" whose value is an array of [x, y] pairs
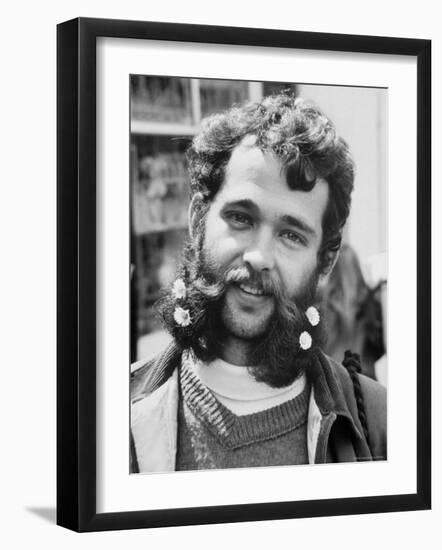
{"points": [[251, 290]]}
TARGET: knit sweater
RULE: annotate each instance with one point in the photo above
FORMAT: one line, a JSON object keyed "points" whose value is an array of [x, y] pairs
{"points": [[211, 436]]}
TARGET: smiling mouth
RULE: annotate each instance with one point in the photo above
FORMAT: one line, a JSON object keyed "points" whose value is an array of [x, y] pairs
{"points": [[250, 289]]}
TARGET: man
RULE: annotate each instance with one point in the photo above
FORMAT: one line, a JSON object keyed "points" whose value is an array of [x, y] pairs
{"points": [[245, 382]]}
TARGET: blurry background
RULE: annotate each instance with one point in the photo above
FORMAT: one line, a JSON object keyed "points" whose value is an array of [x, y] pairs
{"points": [[166, 113]]}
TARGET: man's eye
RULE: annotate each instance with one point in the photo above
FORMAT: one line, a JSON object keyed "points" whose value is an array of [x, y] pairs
{"points": [[292, 237], [238, 219]]}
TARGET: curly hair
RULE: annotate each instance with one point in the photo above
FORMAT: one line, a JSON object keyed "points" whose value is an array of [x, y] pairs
{"points": [[304, 140]]}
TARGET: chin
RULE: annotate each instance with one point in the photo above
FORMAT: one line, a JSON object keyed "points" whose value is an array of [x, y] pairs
{"points": [[247, 329], [242, 324], [245, 333]]}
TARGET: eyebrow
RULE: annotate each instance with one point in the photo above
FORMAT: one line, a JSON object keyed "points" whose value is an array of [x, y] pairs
{"points": [[290, 220], [296, 222], [242, 203]]}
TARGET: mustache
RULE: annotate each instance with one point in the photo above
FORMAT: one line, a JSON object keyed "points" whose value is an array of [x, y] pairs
{"points": [[213, 284], [243, 274]]}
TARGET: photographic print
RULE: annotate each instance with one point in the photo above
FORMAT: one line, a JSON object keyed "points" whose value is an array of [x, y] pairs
{"points": [[233, 209], [259, 274]]}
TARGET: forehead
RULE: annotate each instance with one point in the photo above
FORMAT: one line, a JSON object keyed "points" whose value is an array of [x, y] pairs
{"points": [[259, 176]]}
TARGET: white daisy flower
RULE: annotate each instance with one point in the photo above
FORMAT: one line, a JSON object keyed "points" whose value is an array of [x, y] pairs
{"points": [[305, 340], [179, 289], [182, 317], [313, 316]]}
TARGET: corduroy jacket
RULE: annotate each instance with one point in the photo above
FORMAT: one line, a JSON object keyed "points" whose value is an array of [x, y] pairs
{"points": [[334, 430]]}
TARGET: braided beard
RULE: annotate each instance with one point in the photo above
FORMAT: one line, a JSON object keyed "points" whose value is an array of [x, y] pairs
{"points": [[274, 356]]}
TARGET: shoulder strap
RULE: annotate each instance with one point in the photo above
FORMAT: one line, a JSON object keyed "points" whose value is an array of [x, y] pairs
{"points": [[352, 362]]}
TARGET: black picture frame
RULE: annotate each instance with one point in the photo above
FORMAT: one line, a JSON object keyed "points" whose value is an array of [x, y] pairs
{"points": [[77, 286]]}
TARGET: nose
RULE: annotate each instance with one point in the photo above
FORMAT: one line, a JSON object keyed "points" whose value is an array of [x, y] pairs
{"points": [[260, 254]]}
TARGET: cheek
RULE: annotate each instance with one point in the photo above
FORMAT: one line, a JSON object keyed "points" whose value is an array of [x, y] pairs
{"points": [[220, 244], [296, 274], [223, 250]]}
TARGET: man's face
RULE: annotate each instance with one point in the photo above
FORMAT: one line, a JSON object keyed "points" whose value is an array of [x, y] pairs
{"points": [[257, 221]]}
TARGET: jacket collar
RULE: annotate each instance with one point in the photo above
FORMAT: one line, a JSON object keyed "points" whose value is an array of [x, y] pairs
{"points": [[331, 395]]}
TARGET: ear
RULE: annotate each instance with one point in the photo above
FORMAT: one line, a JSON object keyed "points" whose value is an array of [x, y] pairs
{"points": [[194, 213], [331, 262]]}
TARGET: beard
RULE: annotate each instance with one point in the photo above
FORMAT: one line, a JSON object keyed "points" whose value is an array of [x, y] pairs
{"points": [[274, 354]]}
